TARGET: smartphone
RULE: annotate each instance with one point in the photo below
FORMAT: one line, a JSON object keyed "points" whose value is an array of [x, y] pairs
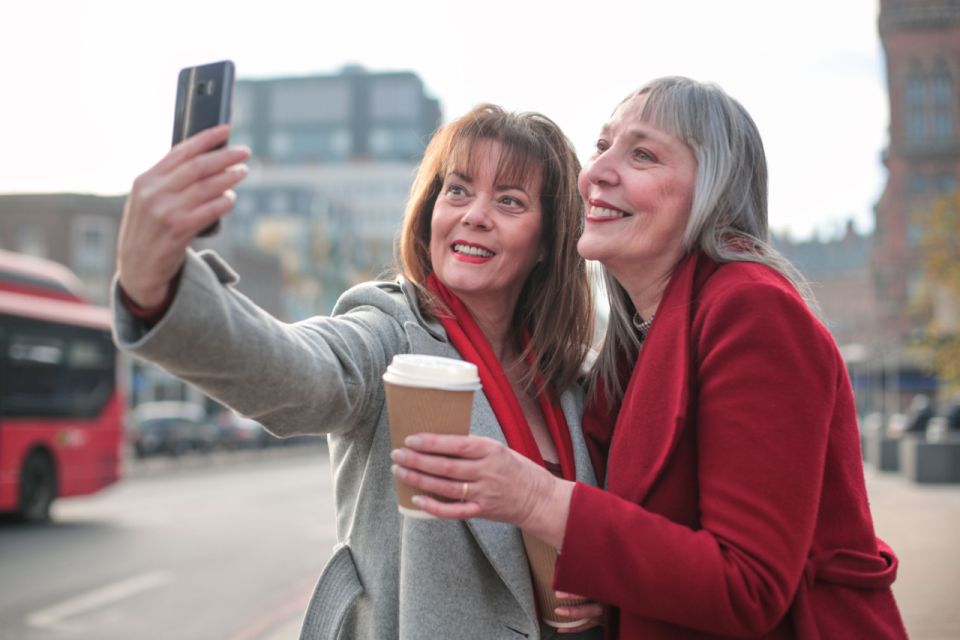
{"points": [[204, 95]]}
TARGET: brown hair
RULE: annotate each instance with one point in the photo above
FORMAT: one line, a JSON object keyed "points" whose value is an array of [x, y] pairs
{"points": [[555, 306]]}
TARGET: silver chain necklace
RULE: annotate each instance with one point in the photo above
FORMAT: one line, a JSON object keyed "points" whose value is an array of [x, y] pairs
{"points": [[642, 326]]}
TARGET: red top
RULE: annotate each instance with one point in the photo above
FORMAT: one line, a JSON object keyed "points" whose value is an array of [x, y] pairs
{"points": [[150, 316], [735, 501]]}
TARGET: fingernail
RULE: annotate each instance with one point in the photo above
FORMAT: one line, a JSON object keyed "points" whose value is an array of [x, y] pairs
{"points": [[397, 455], [417, 500], [398, 471], [413, 441]]}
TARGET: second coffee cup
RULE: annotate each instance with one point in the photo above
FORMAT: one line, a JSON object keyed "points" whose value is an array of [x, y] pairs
{"points": [[427, 394]]}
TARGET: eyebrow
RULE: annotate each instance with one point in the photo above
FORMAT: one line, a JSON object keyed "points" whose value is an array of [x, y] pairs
{"points": [[499, 187], [635, 134]]}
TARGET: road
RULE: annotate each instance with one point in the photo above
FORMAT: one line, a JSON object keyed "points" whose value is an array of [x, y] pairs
{"points": [[228, 548], [201, 551]]}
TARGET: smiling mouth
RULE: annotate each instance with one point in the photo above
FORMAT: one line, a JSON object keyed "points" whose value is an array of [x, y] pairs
{"points": [[608, 214], [472, 251]]}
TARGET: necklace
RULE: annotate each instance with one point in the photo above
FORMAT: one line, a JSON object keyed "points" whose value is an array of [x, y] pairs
{"points": [[642, 326]]}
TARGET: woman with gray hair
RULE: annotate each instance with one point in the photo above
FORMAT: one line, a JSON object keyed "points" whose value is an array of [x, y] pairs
{"points": [[722, 416]]}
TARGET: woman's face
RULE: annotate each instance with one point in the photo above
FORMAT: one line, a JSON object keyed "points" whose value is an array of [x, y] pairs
{"points": [[485, 238], [638, 190]]}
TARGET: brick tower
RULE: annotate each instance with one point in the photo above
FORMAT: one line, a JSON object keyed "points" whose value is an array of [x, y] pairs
{"points": [[921, 40]]}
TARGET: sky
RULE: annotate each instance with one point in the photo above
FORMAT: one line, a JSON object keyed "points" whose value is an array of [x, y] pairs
{"points": [[89, 86]]}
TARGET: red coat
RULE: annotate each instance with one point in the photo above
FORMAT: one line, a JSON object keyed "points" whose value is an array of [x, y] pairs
{"points": [[735, 501]]}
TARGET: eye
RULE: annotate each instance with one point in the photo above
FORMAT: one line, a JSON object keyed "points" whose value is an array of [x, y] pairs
{"points": [[644, 155], [455, 191], [511, 201], [602, 145]]}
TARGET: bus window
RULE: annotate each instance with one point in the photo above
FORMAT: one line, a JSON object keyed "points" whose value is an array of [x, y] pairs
{"points": [[52, 370]]}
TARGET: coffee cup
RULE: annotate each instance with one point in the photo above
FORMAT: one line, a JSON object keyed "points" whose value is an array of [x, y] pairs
{"points": [[543, 564], [427, 394]]}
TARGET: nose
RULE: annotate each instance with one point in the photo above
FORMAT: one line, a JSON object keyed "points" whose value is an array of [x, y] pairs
{"points": [[477, 214], [601, 170]]}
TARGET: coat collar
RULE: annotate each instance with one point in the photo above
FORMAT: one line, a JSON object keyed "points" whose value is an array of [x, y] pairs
{"points": [[432, 325], [655, 405]]}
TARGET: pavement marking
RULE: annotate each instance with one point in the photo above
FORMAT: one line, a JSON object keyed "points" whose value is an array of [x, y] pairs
{"points": [[52, 617], [284, 618]]}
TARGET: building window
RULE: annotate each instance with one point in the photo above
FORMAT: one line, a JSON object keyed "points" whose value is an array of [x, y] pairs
{"points": [[394, 142], [92, 245], [279, 202], [30, 240], [916, 184], [310, 101], [304, 144], [946, 183], [916, 123], [395, 99], [241, 109], [914, 233], [941, 90], [280, 145]]}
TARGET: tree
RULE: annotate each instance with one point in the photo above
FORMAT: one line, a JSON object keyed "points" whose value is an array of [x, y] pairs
{"points": [[941, 260]]}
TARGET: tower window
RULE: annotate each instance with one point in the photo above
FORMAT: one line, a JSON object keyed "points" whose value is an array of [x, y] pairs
{"points": [[941, 90], [916, 126]]}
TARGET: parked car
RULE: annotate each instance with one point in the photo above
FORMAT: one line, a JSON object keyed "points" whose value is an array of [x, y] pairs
{"points": [[171, 427], [239, 432]]}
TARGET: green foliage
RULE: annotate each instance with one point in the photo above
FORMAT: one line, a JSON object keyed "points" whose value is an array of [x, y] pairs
{"points": [[941, 256], [941, 242]]}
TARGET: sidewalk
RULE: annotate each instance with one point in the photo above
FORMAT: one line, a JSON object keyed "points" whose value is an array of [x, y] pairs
{"points": [[922, 524]]}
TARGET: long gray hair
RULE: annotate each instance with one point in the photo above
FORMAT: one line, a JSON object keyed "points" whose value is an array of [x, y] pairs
{"points": [[728, 217]]}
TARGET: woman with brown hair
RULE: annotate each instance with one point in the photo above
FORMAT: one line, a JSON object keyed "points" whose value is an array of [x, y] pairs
{"points": [[488, 272]]}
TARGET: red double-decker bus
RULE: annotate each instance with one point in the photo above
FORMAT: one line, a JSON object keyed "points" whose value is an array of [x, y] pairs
{"points": [[61, 410]]}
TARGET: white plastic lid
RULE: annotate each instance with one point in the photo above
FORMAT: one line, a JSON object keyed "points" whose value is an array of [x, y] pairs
{"points": [[413, 370]]}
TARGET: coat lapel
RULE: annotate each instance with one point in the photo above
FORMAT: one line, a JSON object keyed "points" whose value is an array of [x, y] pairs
{"points": [[656, 401], [501, 543]]}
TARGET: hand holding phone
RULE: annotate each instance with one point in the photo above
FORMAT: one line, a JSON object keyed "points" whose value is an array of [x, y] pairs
{"points": [[204, 96]]}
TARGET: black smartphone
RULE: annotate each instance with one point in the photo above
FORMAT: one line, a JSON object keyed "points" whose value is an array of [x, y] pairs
{"points": [[204, 95]]}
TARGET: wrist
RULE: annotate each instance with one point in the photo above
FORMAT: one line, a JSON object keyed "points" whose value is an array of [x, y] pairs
{"points": [[548, 520], [143, 295], [146, 302]]}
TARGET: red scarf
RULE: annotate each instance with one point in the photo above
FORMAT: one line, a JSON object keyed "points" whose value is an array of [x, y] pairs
{"points": [[468, 339]]}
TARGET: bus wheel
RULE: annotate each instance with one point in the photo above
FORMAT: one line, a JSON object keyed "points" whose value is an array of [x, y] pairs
{"points": [[38, 488]]}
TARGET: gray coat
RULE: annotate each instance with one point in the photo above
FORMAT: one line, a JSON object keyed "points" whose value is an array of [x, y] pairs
{"points": [[389, 576]]}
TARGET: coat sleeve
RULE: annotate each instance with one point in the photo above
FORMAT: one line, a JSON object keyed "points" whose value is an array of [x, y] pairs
{"points": [[765, 382], [321, 375]]}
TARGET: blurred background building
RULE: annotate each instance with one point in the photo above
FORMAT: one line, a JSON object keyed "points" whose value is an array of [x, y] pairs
{"points": [[334, 156], [333, 160]]}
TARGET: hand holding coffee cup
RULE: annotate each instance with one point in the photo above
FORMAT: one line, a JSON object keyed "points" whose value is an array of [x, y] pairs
{"points": [[427, 394]]}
